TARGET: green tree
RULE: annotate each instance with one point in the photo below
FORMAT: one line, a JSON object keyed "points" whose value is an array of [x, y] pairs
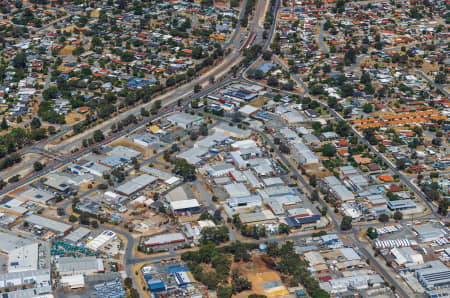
{"points": [[383, 217], [372, 233], [328, 150], [98, 136], [4, 124], [398, 215], [38, 166], [443, 207], [346, 223], [20, 60], [367, 108], [35, 123], [224, 292], [283, 228], [128, 282]]}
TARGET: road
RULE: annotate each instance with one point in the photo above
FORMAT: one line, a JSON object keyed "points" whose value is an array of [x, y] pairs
{"points": [[435, 85], [320, 39]]}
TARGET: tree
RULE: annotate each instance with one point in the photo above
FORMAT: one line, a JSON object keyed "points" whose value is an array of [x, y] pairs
{"points": [[35, 123], [20, 60], [346, 223], [128, 282], [284, 149], [398, 215], [328, 150], [94, 224], [267, 55], [84, 218], [224, 292], [367, 108], [60, 211], [443, 207], [383, 217], [134, 293], [98, 136], [283, 228], [239, 283], [38, 166], [144, 113], [4, 124], [215, 235], [72, 218], [272, 81], [372, 233]]}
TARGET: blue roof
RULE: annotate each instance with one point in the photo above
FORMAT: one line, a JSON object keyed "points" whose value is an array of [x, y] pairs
{"points": [[156, 285], [176, 268]]}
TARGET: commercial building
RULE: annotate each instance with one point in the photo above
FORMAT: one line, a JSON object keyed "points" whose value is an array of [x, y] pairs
{"points": [[298, 222], [22, 253], [136, 184], [82, 265], [73, 281], [105, 238], [406, 256], [356, 282], [96, 169], [434, 275], [303, 155], [183, 206], [259, 217], [58, 182], [237, 190], [77, 235], [37, 195], [219, 170], [123, 151], [194, 155], [237, 159], [164, 239], [184, 120], [401, 205], [428, 232], [41, 278], [247, 201], [146, 140], [113, 162], [49, 224], [337, 189]]}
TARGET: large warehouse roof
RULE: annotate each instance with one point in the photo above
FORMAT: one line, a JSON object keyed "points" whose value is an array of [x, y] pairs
{"points": [[47, 223], [136, 184], [184, 204], [71, 264]]}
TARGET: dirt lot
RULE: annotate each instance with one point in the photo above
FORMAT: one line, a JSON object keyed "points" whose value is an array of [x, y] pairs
{"points": [[67, 50], [88, 185], [257, 272], [316, 169], [259, 101], [74, 117], [95, 13]]}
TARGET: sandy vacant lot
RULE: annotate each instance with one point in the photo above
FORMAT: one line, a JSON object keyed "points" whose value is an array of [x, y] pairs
{"points": [[257, 272]]}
